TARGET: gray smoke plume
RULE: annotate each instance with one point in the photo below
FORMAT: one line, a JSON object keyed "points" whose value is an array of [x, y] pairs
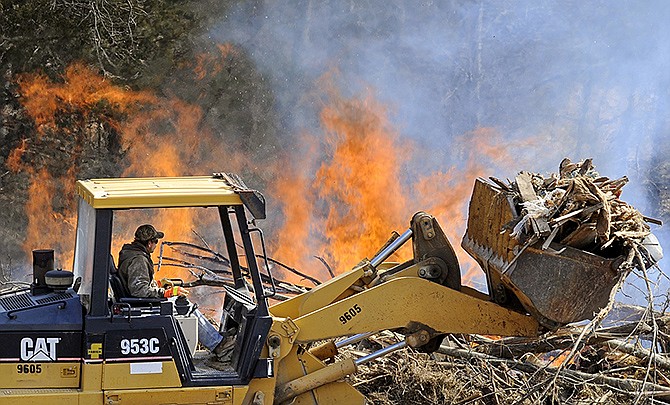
{"points": [[585, 79]]}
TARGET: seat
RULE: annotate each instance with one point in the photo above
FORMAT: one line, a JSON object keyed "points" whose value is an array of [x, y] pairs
{"points": [[118, 287], [121, 292]]}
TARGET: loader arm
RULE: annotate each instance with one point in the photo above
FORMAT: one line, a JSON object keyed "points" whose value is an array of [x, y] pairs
{"points": [[422, 299], [434, 259], [413, 304], [424, 293], [423, 310]]}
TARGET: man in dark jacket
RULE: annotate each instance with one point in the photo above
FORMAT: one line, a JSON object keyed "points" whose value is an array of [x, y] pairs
{"points": [[136, 269]]}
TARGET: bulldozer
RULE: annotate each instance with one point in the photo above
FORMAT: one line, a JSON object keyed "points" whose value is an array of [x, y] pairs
{"points": [[72, 337]]}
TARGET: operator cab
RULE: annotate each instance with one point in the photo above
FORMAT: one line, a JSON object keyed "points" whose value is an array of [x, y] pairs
{"points": [[158, 335]]}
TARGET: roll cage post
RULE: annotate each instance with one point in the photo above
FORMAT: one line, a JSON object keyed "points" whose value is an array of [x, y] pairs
{"points": [[247, 244]]}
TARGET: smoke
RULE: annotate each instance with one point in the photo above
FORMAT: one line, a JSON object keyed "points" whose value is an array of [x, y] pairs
{"points": [[589, 79], [582, 79]]}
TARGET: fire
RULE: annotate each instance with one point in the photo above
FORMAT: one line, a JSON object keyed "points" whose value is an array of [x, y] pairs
{"points": [[81, 88], [49, 229], [556, 361], [291, 243], [342, 191], [557, 358], [160, 136], [348, 209], [208, 65], [360, 183], [346, 212], [13, 162]]}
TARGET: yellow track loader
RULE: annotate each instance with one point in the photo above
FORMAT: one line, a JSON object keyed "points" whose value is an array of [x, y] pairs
{"points": [[68, 339]]}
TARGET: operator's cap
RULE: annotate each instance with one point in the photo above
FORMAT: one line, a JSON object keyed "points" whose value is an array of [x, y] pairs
{"points": [[147, 232]]}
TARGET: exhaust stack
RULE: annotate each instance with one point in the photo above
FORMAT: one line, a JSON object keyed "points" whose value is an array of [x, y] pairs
{"points": [[43, 261]]}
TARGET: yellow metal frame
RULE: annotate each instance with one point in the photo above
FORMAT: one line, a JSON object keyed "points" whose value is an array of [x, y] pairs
{"points": [[188, 395], [44, 396], [393, 301], [299, 364], [320, 296], [52, 375], [118, 376], [404, 301], [156, 192]]}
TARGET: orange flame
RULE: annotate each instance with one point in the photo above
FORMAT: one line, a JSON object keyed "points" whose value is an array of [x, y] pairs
{"points": [[13, 162], [161, 137], [348, 210], [49, 228], [555, 358], [341, 196], [81, 87], [360, 182], [208, 65]]}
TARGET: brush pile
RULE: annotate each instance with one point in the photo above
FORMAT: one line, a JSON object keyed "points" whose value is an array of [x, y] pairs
{"points": [[606, 365]]}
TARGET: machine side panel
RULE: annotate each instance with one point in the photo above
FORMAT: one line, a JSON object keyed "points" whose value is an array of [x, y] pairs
{"points": [[40, 359]]}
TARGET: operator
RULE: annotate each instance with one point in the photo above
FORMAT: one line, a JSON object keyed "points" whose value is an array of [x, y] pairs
{"points": [[136, 270]]}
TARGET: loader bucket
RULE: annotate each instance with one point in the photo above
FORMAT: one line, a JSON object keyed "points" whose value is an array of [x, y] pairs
{"points": [[561, 284], [557, 285]]}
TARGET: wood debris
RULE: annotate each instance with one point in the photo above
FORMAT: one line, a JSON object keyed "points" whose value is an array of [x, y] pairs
{"points": [[556, 246], [620, 363], [209, 267], [578, 207]]}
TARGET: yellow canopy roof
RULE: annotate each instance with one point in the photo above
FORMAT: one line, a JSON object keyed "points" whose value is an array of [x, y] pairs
{"points": [[163, 192]]}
